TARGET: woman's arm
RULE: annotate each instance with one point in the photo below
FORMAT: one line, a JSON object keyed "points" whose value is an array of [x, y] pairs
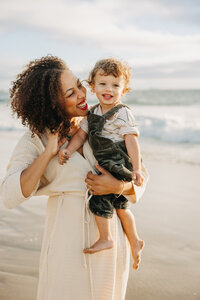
{"points": [[107, 184], [31, 175], [26, 166]]}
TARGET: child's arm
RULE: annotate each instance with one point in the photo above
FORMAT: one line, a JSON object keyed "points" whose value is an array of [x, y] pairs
{"points": [[133, 150], [75, 143]]}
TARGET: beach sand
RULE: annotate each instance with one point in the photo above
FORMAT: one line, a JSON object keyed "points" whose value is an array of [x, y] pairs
{"points": [[167, 218]]}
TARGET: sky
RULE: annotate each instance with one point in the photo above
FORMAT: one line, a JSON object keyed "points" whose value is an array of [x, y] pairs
{"points": [[160, 39]]}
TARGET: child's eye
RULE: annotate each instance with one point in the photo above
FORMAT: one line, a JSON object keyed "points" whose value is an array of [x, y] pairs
{"points": [[102, 83], [116, 85]]}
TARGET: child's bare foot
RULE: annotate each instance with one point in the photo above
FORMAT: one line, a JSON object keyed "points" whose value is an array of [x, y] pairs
{"points": [[136, 253], [100, 245]]}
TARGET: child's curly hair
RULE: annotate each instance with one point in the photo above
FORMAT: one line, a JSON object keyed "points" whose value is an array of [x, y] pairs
{"points": [[35, 93], [111, 66]]}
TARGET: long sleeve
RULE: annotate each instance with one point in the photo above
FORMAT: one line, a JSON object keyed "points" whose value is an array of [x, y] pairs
{"points": [[25, 152]]}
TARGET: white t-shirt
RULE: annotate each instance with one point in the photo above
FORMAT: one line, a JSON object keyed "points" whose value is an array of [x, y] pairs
{"points": [[122, 122]]}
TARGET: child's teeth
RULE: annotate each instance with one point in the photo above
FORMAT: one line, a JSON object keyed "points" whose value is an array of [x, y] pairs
{"points": [[107, 96]]}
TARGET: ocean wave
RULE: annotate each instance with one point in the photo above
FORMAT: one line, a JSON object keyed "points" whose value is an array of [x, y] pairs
{"points": [[174, 130]]}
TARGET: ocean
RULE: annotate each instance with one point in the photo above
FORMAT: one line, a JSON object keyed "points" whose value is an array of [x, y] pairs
{"points": [[168, 120]]}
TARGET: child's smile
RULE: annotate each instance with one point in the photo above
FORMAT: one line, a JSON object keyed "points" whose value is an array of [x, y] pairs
{"points": [[107, 96]]}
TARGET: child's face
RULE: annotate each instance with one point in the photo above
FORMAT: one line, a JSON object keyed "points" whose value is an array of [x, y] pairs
{"points": [[108, 89]]}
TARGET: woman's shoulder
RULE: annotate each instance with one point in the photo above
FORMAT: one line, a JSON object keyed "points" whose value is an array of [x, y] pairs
{"points": [[29, 141]]}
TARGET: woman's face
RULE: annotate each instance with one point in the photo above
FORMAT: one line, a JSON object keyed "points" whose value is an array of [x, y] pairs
{"points": [[74, 94]]}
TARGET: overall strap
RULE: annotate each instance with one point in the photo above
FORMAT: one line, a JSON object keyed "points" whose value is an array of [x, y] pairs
{"points": [[113, 110], [93, 108]]}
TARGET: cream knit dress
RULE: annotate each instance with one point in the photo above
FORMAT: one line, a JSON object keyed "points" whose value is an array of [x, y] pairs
{"points": [[65, 272]]}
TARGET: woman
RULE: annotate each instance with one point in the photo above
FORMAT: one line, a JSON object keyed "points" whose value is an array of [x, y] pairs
{"points": [[49, 99]]}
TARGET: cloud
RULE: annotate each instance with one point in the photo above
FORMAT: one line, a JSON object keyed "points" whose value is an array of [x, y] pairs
{"points": [[93, 14], [102, 24], [150, 34], [175, 70]]}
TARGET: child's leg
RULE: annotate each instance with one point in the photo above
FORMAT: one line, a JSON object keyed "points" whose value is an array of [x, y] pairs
{"points": [[105, 240], [128, 224]]}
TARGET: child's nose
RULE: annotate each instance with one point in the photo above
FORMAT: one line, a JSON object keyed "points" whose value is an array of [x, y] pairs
{"points": [[108, 88]]}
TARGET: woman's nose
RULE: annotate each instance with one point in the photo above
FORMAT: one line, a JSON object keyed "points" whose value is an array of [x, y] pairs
{"points": [[81, 92]]}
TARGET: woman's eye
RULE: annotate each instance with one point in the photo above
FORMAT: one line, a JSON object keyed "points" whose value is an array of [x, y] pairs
{"points": [[70, 95]]}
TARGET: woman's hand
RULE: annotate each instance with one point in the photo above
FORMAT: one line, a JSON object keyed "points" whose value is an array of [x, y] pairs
{"points": [[104, 183], [54, 144]]}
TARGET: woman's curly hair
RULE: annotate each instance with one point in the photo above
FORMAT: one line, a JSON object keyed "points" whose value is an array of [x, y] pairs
{"points": [[35, 93]]}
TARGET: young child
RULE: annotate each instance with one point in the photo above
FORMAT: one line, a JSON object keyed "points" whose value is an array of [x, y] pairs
{"points": [[112, 134]]}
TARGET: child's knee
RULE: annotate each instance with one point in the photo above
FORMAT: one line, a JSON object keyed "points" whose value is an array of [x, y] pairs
{"points": [[121, 212]]}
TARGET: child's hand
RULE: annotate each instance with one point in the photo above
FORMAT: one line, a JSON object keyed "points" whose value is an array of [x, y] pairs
{"points": [[138, 178], [63, 156]]}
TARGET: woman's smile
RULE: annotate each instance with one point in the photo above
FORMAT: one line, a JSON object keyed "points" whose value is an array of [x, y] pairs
{"points": [[82, 105]]}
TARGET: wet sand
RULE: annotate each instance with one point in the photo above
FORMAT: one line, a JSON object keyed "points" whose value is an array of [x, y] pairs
{"points": [[168, 220]]}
